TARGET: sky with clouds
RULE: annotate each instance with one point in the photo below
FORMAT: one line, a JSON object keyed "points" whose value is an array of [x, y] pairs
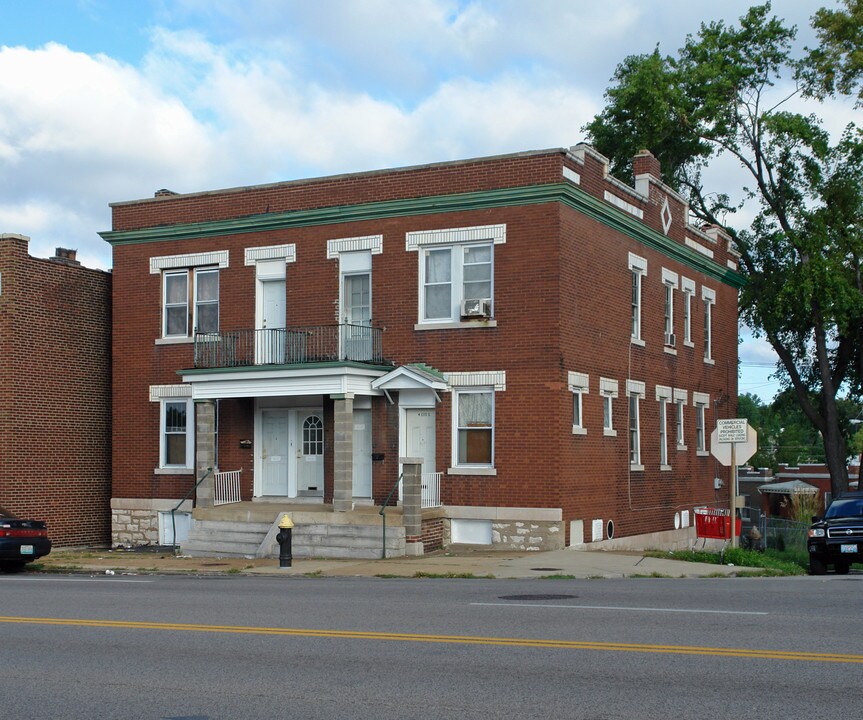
{"points": [[102, 101]]}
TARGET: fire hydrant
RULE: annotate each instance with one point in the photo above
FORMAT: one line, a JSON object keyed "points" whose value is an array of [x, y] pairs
{"points": [[284, 540]]}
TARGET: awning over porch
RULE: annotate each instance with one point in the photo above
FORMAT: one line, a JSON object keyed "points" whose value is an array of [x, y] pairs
{"points": [[791, 487], [416, 376], [322, 379]]}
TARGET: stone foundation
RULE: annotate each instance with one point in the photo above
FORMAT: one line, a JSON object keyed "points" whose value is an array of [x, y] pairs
{"points": [[532, 529], [135, 521]]}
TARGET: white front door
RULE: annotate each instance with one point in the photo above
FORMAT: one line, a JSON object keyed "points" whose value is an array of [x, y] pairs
{"points": [[420, 442], [362, 453], [309, 452], [274, 452], [270, 335]]}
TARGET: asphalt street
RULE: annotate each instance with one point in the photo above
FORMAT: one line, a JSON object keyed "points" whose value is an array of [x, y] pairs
{"points": [[261, 647]]}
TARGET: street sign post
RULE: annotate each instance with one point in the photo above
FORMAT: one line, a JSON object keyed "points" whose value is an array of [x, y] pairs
{"points": [[733, 442]]}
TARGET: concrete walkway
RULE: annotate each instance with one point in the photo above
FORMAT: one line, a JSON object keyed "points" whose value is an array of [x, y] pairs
{"points": [[566, 563]]}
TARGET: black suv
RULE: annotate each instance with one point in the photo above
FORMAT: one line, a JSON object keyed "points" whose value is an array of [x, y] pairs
{"points": [[837, 538]]}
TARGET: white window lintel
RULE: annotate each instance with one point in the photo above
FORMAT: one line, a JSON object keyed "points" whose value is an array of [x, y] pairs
{"points": [[177, 390], [489, 378], [635, 387], [287, 252], [664, 393], [218, 258], [373, 243], [578, 382], [637, 263], [479, 233]]}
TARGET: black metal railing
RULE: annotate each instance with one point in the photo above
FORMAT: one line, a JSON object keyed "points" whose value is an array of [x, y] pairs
{"points": [[288, 346]]}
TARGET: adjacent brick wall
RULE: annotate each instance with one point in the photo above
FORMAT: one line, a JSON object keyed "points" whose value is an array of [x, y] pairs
{"points": [[55, 402]]}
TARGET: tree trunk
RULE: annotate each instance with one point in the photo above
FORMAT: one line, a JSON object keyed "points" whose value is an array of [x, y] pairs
{"points": [[834, 450]]}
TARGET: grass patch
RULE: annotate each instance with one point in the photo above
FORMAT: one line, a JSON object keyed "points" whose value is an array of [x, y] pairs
{"points": [[314, 573], [650, 575], [234, 571], [770, 563], [557, 577], [452, 575]]}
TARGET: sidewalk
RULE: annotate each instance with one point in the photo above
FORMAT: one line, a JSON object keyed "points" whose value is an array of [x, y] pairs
{"points": [[558, 563]]}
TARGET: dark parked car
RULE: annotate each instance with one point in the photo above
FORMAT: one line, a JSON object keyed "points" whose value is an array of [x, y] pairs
{"points": [[21, 541], [837, 538]]}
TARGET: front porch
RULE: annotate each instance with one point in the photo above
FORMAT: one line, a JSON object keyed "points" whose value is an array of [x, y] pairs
{"points": [[248, 529]]}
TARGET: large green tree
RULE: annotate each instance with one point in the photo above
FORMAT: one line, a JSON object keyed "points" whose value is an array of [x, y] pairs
{"points": [[725, 95]]}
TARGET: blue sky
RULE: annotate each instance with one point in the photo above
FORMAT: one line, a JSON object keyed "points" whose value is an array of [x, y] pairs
{"points": [[109, 100]]}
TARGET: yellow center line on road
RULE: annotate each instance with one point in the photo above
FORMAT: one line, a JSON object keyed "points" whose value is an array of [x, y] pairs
{"points": [[455, 639]]}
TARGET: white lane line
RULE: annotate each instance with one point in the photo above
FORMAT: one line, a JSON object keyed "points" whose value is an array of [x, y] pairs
{"points": [[634, 609]]}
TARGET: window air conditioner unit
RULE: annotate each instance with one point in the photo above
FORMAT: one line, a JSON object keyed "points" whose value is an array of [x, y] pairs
{"points": [[670, 340], [476, 308]]}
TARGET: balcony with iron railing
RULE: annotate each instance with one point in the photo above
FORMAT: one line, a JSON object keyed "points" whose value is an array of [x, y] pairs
{"points": [[289, 346]]}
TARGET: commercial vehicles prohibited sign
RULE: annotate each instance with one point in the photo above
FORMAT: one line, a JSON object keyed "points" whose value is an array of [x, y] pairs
{"points": [[739, 435], [733, 430]]}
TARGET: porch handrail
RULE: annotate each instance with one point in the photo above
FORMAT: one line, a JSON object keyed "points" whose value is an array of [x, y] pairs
{"points": [[173, 509], [383, 515], [430, 496], [249, 347], [226, 487]]}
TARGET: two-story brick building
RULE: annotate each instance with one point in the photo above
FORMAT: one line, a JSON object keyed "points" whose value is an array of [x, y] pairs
{"points": [[554, 344], [55, 392]]}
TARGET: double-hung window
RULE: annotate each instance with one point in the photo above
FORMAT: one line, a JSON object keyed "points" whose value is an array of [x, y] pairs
{"points": [[203, 301], [638, 271], [473, 420], [177, 436], [663, 396], [680, 398], [456, 274], [175, 309], [578, 385], [206, 295], [475, 429], [688, 287], [635, 393], [457, 283], [176, 424], [701, 402], [176, 428], [709, 297], [669, 285], [190, 292], [608, 391]]}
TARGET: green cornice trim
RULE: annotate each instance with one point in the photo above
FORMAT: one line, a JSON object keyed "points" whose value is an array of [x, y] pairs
{"points": [[563, 192]]}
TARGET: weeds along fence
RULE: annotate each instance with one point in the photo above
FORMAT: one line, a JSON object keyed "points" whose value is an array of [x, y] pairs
{"points": [[781, 534]]}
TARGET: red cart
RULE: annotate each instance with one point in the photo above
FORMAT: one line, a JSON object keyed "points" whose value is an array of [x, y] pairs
{"points": [[714, 523]]}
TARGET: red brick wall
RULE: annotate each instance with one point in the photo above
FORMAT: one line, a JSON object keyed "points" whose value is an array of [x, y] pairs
{"points": [[55, 407], [562, 288]]}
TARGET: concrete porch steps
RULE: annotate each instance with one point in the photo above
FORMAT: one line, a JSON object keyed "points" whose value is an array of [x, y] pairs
{"points": [[249, 530]]}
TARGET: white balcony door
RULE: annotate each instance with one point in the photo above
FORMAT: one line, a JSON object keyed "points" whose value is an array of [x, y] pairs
{"points": [[270, 335], [358, 316]]}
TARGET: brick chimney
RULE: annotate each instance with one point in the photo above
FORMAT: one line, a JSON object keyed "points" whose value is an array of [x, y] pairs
{"points": [[64, 255], [646, 164]]}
